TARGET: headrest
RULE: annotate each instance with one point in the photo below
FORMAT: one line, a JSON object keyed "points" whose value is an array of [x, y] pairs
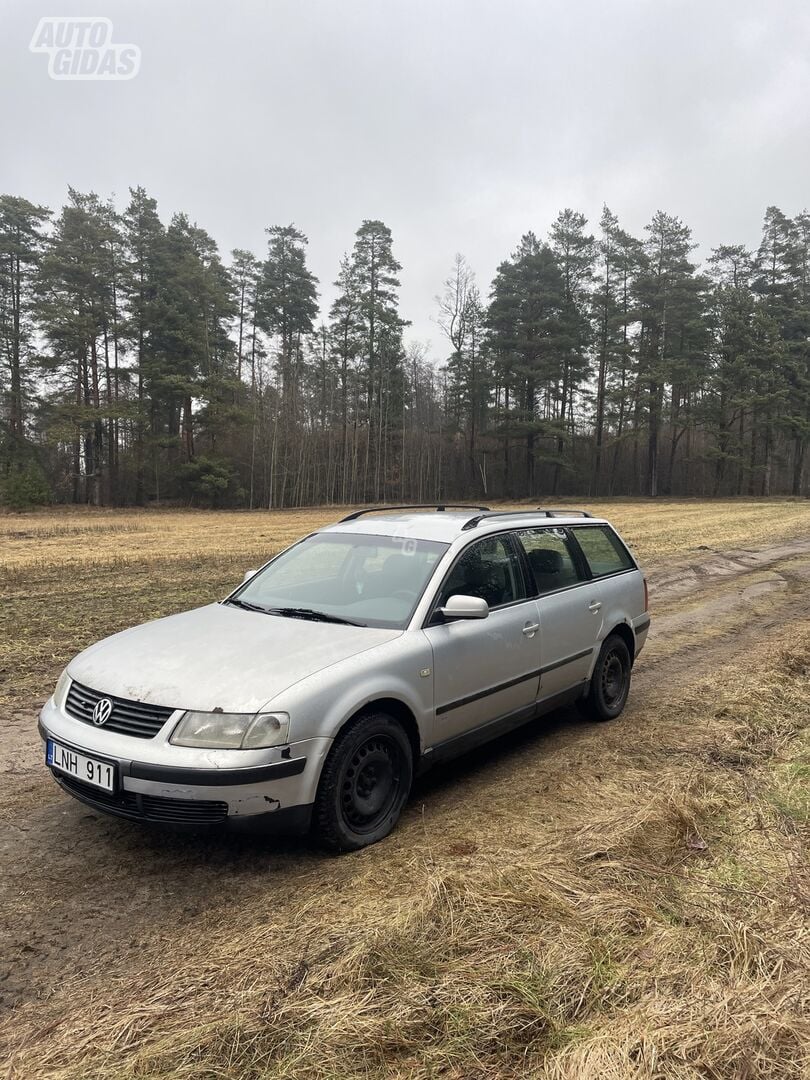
{"points": [[545, 561], [398, 564]]}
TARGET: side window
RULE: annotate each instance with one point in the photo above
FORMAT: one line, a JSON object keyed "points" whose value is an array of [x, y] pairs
{"points": [[603, 550], [487, 569], [550, 558]]}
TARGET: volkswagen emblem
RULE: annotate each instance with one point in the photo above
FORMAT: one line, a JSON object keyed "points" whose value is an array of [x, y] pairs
{"points": [[102, 711]]}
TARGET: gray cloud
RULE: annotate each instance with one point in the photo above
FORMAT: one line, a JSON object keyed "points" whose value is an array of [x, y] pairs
{"points": [[460, 123]]}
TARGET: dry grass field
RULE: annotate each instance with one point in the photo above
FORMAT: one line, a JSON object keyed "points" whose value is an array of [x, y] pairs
{"points": [[70, 577], [573, 902]]}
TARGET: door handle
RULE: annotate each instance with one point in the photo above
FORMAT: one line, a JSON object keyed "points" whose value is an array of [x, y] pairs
{"points": [[530, 629], [594, 606]]}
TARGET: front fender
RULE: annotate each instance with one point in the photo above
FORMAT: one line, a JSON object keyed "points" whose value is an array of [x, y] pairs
{"points": [[402, 669]]}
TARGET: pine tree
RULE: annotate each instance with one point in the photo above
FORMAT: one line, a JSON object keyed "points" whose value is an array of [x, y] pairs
{"points": [[525, 333], [798, 420], [575, 251], [287, 311], [669, 300], [612, 305], [374, 271], [144, 271], [783, 285], [194, 351], [288, 300], [346, 332], [728, 400], [462, 318], [776, 283], [244, 273], [78, 306], [21, 245]]}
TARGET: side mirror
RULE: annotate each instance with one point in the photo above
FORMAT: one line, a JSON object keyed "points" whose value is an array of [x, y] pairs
{"points": [[248, 575], [465, 607]]}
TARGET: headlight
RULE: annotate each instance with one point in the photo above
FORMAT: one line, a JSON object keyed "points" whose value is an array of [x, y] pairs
{"points": [[60, 693], [232, 731]]}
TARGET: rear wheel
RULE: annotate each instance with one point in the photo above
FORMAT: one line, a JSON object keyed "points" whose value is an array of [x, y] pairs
{"points": [[610, 683], [364, 784]]}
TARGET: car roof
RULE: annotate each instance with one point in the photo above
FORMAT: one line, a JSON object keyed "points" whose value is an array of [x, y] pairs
{"points": [[448, 525]]}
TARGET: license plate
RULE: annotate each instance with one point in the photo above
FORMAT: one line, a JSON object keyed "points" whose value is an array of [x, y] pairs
{"points": [[100, 774]]}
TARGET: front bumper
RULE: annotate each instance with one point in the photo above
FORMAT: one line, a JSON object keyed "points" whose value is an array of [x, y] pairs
{"points": [[160, 783]]}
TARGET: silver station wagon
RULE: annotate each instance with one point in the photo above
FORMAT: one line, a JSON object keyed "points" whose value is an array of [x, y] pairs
{"points": [[309, 698]]}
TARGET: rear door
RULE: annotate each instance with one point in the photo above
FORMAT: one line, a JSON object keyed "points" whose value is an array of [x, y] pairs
{"points": [[617, 582], [485, 669], [569, 609]]}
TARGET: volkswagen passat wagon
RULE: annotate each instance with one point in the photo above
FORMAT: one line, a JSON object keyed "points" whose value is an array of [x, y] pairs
{"points": [[309, 698]]}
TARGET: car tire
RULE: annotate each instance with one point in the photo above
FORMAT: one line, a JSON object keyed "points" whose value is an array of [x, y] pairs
{"points": [[610, 682], [364, 785]]}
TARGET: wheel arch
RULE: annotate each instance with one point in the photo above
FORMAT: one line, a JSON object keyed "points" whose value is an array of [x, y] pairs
{"points": [[625, 632], [401, 712]]}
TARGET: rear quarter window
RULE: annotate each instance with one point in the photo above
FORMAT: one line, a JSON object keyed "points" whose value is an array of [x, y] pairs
{"points": [[603, 550]]}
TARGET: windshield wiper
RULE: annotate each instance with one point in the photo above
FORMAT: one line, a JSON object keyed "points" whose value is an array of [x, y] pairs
{"points": [[310, 613], [247, 606]]}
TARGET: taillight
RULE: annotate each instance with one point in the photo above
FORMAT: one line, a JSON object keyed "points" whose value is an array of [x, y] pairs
{"points": [[646, 596]]}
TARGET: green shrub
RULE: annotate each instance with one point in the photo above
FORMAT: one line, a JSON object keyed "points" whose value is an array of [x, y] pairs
{"points": [[212, 481], [24, 486]]}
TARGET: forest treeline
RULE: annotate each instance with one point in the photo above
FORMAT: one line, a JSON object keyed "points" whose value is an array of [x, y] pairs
{"points": [[138, 365]]}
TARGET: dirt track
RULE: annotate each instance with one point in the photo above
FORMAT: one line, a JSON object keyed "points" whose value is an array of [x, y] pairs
{"points": [[80, 893]]}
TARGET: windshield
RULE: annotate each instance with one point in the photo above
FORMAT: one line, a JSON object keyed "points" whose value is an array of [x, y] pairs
{"points": [[365, 580]]}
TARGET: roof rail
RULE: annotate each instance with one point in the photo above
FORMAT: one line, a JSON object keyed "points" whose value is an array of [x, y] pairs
{"points": [[564, 512], [412, 506], [474, 521]]}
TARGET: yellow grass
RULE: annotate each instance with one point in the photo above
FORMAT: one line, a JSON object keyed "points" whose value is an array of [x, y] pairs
{"points": [[658, 932], [123, 537], [584, 902], [71, 576]]}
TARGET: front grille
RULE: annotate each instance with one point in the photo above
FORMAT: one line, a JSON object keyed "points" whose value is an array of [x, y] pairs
{"points": [[138, 807], [127, 718]]}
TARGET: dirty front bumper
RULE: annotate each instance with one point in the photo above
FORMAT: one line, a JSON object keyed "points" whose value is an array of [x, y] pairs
{"points": [[159, 783]]}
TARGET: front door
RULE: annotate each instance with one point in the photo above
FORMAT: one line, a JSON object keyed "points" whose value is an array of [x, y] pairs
{"points": [[485, 669]]}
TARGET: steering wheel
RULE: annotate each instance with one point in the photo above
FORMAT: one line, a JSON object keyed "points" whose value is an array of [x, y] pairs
{"points": [[403, 594]]}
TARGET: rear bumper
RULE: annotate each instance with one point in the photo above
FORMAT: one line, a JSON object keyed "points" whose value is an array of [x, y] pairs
{"points": [[641, 628], [274, 794]]}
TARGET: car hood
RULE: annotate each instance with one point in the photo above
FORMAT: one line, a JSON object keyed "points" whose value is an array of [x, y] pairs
{"points": [[218, 657]]}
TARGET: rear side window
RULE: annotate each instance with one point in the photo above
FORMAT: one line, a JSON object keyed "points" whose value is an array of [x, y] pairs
{"points": [[603, 550], [550, 557]]}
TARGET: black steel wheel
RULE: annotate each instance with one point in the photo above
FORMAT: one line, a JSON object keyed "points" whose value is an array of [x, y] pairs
{"points": [[610, 682], [364, 784]]}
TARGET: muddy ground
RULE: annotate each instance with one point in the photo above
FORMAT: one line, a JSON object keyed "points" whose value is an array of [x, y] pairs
{"points": [[81, 894]]}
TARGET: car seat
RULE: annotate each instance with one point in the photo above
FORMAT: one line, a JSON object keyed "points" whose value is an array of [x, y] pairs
{"points": [[547, 566], [398, 572]]}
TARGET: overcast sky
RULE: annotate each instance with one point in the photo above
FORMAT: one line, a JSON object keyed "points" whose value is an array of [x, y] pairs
{"points": [[460, 123]]}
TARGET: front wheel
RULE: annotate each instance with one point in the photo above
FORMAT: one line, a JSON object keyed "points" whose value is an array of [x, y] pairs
{"points": [[610, 683], [364, 784]]}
